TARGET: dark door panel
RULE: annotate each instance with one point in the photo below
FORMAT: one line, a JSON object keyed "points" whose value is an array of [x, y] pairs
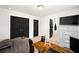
{"points": [[51, 28], [36, 27], [19, 27]]}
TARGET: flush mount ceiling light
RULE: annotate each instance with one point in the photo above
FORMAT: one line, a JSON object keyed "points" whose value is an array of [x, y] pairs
{"points": [[40, 6]]}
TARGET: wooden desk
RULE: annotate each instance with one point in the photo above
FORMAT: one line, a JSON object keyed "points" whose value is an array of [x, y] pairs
{"points": [[43, 47], [60, 49]]}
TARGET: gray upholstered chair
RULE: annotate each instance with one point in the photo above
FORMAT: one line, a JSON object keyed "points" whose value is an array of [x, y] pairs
{"points": [[20, 45], [17, 45], [5, 46]]}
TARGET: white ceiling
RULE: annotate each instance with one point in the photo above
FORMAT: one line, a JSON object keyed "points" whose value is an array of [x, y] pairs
{"points": [[33, 10]]}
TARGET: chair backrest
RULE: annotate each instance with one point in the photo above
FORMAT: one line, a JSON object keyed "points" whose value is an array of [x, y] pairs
{"points": [[4, 43], [43, 38], [20, 45], [5, 46]]}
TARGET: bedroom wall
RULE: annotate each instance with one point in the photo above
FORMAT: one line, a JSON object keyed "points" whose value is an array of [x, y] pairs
{"points": [[5, 22], [63, 32]]}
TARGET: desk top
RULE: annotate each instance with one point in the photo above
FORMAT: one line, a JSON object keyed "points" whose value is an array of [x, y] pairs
{"points": [[43, 47]]}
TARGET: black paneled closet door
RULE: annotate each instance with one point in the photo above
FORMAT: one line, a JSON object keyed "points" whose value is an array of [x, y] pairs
{"points": [[36, 27], [51, 28], [19, 27]]}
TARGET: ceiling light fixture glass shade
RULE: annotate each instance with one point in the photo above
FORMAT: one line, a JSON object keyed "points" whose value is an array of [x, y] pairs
{"points": [[40, 6]]}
